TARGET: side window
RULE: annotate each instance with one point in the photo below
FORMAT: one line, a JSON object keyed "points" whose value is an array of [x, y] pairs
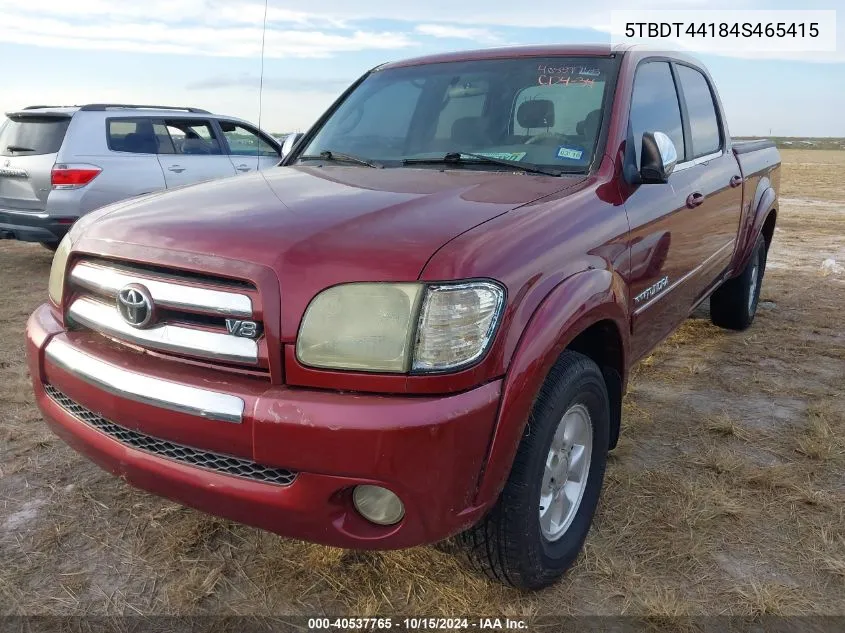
{"points": [[137, 136], [191, 137], [703, 122], [655, 107], [245, 142]]}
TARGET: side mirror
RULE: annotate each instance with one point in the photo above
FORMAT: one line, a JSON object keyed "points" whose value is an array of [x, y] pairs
{"points": [[289, 142], [657, 158]]}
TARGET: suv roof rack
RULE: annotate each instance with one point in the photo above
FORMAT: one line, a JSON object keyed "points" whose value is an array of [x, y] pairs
{"points": [[94, 107], [39, 107]]}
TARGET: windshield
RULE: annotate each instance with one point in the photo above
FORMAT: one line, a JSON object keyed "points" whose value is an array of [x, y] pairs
{"points": [[537, 111]]}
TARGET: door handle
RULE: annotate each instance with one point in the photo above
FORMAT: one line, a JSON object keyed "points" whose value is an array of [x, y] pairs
{"points": [[694, 200], [243, 168], [176, 168], [736, 181]]}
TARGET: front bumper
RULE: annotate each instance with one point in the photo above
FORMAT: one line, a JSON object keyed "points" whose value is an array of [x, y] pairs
{"points": [[430, 451], [33, 227]]}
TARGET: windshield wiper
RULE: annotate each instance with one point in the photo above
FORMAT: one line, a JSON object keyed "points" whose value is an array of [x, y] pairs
{"points": [[18, 148], [457, 158], [340, 156]]}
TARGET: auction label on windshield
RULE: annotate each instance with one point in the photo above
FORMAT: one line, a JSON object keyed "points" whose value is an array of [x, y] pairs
{"points": [[749, 32]]}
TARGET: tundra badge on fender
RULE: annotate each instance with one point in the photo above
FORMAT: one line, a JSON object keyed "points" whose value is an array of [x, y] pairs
{"points": [[653, 290]]}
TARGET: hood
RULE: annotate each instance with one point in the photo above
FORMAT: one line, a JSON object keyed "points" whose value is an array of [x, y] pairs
{"points": [[334, 223]]}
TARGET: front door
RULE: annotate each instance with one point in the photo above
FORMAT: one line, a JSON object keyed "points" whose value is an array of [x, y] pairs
{"points": [[248, 149], [192, 153], [665, 246]]}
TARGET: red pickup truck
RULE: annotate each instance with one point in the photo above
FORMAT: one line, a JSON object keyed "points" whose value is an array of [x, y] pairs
{"points": [[421, 324]]}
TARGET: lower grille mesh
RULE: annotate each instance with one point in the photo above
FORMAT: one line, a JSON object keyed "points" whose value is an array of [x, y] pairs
{"points": [[184, 454]]}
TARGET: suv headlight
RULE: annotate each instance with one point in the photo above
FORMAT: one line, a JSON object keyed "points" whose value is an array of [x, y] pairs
{"points": [[55, 287], [400, 327]]}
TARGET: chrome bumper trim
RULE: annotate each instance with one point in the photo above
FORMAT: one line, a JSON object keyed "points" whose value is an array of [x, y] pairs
{"points": [[127, 384], [105, 318], [176, 296]]}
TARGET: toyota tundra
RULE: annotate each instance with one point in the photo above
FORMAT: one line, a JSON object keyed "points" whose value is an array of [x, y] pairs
{"points": [[422, 323]]}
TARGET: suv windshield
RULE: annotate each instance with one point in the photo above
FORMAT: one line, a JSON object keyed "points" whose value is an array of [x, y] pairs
{"points": [[535, 111], [29, 135]]}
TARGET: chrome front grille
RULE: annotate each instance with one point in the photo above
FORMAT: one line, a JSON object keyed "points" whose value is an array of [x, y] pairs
{"points": [[192, 310], [168, 290], [225, 464]]}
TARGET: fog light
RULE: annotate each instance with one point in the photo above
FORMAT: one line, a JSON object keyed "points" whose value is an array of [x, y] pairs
{"points": [[378, 504]]}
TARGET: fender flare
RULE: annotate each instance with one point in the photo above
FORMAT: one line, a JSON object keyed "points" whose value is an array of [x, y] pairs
{"points": [[569, 309], [765, 201]]}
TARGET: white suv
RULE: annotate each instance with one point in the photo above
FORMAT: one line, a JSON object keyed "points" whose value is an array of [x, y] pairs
{"points": [[59, 163]]}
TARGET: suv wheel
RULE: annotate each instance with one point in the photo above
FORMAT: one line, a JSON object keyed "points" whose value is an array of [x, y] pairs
{"points": [[734, 304], [537, 527], [50, 246]]}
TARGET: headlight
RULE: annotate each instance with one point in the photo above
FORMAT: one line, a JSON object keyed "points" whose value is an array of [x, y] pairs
{"points": [[400, 327], [360, 326], [57, 272], [456, 325]]}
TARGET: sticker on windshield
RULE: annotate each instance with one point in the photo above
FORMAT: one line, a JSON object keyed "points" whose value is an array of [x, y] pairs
{"points": [[569, 153], [514, 156]]}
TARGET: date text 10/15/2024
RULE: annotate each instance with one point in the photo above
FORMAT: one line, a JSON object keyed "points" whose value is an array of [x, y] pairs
{"points": [[416, 624]]}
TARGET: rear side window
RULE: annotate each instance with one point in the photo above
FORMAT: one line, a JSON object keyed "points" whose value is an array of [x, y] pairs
{"points": [[29, 135], [704, 125], [137, 136], [655, 106], [192, 137]]}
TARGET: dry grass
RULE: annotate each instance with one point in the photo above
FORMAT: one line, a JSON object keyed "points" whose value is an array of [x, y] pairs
{"points": [[726, 494]]}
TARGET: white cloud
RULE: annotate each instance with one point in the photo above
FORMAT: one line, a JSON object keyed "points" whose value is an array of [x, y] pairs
{"points": [[446, 31], [281, 84], [321, 29], [239, 40]]}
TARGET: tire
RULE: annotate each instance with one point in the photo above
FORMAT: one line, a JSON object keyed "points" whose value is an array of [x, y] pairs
{"points": [[734, 304], [512, 544], [50, 246]]}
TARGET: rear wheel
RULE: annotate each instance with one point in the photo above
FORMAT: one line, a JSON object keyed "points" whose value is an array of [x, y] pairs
{"points": [[734, 303], [537, 527]]}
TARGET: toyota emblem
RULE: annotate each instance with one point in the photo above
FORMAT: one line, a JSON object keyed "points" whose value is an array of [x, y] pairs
{"points": [[136, 305]]}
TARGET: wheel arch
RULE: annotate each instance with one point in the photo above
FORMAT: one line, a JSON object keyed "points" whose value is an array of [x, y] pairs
{"points": [[768, 229], [761, 223], [587, 313]]}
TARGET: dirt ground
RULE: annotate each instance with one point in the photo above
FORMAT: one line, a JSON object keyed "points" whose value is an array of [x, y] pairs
{"points": [[726, 494]]}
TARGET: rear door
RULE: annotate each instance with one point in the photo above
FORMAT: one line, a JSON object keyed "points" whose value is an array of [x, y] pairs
{"points": [[716, 175], [192, 152], [249, 149], [29, 143]]}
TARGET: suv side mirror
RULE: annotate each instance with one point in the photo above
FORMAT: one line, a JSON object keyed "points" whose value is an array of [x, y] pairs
{"points": [[289, 142], [657, 158]]}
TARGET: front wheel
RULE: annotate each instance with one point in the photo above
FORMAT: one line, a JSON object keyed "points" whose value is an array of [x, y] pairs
{"points": [[537, 527]]}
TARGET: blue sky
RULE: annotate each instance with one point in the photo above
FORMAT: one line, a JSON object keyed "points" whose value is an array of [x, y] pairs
{"points": [[206, 53]]}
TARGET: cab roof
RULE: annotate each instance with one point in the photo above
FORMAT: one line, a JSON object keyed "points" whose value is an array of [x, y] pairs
{"points": [[511, 52]]}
